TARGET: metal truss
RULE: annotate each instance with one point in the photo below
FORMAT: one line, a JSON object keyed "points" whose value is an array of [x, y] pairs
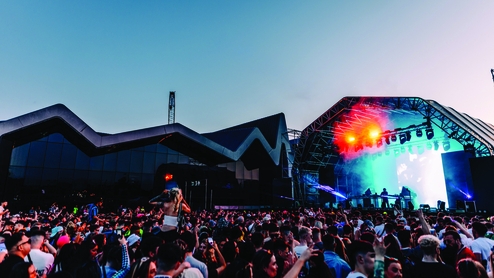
{"points": [[314, 149]]}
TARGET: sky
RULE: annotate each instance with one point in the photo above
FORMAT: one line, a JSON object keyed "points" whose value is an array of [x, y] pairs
{"points": [[113, 63]]}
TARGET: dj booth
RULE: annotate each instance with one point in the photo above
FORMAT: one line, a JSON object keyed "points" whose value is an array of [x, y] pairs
{"points": [[375, 201]]}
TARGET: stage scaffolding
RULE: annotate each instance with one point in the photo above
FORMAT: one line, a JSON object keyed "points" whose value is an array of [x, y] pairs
{"points": [[314, 149]]}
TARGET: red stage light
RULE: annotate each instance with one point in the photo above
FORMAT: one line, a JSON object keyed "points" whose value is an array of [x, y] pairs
{"points": [[167, 177]]}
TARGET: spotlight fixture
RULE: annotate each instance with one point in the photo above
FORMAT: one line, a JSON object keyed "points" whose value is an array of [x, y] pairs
{"points": [[429, 132], [379, 143], [393, 138], [418, 133], [446, 146], [403, 138], [408, 135], [386, 138]]}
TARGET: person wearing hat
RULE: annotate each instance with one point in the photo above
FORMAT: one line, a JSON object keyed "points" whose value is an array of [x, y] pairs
{"points": [[18, 246]]}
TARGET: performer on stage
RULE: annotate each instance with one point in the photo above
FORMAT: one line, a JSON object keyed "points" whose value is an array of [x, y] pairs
{"points": [[384, 197]]}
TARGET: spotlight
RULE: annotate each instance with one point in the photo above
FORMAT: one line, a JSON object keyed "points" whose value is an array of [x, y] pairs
{"points": [[387, 139], [436, 145], [403, 138], [429, 132], [446, 146], [379, 143], [393, 138], [408, 135], [418, 133]]}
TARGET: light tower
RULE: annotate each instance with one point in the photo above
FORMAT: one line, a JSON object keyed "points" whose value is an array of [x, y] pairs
{"points": [[171, 108]]}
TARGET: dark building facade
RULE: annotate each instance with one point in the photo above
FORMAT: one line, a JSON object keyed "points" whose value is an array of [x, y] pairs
{"points": [[51, 155]]}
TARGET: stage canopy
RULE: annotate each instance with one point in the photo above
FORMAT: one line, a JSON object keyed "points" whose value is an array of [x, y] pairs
{"points": [[387, 142]]}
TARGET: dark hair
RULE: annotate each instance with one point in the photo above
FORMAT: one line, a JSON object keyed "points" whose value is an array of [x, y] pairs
{"points": [[189, 239], [65, 258], [168, 255], [359, 247], [328, 242], [393, 249], [140, 268], [90, 269], [318, 268], [455, 235], [480, 228], [466, 268], [13, 240], [261, 260], [229, 251], [257, 239], [149, 245], [368, 237]]}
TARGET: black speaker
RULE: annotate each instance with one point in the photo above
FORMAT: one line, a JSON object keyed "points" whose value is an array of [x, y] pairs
{"points": [[410, 205]]}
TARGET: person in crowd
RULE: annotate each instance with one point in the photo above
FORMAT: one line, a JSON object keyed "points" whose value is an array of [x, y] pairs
{"points": [[393, 247], [65, 261], [23, 270], [287, 236], [190, 241], [42, 261], [3, 209], [214, 260], [18, 247], [379, 227], [118, 262], [171, 201], [481, 246], [284, 257], [305, 237], [431, 266], [338, 266], [392, 268], [93, 210], [143, 268], [264, 265], [454, 250], [367, 259], [316, 238], [467, 268], [90, 269]]}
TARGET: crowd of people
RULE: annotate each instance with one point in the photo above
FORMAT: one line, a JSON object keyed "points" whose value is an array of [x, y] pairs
{"points": [[165, 238]]}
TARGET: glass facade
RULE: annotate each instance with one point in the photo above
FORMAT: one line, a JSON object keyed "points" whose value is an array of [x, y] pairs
{"points": [[54, 161]]}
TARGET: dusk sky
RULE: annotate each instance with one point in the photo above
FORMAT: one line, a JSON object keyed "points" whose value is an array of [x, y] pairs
{"points": [[113, 63]]}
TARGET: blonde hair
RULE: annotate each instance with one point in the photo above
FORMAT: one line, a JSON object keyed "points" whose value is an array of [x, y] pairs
{"points": [[176, 196]]}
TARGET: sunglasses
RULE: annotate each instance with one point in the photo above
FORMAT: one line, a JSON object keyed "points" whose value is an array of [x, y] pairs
{"points": [[22, 243]]}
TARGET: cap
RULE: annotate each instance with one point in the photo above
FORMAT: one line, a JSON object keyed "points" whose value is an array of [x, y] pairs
{"points": [[132, 239], [56, 230]]}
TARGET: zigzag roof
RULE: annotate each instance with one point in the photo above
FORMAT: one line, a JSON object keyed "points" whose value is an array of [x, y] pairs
{"points": [[252, 142]]}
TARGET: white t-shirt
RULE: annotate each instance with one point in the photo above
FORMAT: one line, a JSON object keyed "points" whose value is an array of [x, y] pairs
{"points": [[191, 273], [42, 261], [298, 250], [483, 246], [355, 274]]}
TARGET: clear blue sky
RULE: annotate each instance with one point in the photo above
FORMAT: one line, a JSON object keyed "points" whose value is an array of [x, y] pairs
{"points": [[114, 62]]}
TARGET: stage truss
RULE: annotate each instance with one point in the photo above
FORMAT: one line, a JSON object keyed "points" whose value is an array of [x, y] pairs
{"points": [[315, 148]]}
